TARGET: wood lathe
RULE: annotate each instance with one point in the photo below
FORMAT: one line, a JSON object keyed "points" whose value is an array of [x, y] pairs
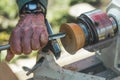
{"points": [[95, 31]]}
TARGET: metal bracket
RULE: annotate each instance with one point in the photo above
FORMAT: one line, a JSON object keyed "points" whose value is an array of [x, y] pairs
{"points": [[50, 70]]}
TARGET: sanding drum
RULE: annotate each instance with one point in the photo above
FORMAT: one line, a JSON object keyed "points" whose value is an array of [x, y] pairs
{"points": [[92, 27]]}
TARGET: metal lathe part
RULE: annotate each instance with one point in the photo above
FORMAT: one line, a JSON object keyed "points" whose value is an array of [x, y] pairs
{"points": [[100, 45], [39, 63], [3, 47], [57, 36]]}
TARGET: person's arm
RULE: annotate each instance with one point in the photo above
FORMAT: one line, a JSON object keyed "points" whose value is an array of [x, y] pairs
{"points": [[30, 32]]}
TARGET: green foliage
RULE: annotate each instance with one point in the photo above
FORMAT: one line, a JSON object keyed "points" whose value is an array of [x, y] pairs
{"points": [[57, 12], [8, 18], [8, 8]]}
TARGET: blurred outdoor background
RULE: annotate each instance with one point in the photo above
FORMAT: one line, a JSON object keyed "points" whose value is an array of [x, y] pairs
{"points": [[59, 11]]}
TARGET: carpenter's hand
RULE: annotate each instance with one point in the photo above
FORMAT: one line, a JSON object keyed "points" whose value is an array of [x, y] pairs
{"points": [[30, 34]]}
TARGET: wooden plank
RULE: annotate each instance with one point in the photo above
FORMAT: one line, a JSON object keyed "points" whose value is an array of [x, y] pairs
{"points": [[83, 64], [6, 73], [80, 61], [117, 78]]}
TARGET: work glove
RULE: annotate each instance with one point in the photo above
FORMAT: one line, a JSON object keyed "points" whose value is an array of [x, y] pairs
{"points": [[29, 34]]}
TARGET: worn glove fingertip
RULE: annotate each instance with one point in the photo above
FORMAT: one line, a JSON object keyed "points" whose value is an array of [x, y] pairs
{"points": [[44, 40], [9, 56]]}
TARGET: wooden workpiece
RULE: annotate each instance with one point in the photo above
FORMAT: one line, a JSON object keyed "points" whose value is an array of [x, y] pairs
{"points": [[75, 37], [6, 73]]}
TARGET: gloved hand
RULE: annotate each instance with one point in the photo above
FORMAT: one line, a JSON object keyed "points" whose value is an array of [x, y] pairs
{"points": [[30, 34]]}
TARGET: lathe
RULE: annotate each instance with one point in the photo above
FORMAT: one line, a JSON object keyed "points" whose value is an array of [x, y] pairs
{"points": [[96, 31]]}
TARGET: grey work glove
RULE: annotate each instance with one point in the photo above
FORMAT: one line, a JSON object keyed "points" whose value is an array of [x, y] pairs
{"points": [[29, 34]]}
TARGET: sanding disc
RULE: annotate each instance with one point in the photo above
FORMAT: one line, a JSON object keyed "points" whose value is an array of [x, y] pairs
{"points": [[74, 39]]}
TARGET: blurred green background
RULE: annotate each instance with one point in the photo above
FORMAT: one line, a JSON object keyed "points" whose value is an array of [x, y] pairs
{"points": [[57, 14]]}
